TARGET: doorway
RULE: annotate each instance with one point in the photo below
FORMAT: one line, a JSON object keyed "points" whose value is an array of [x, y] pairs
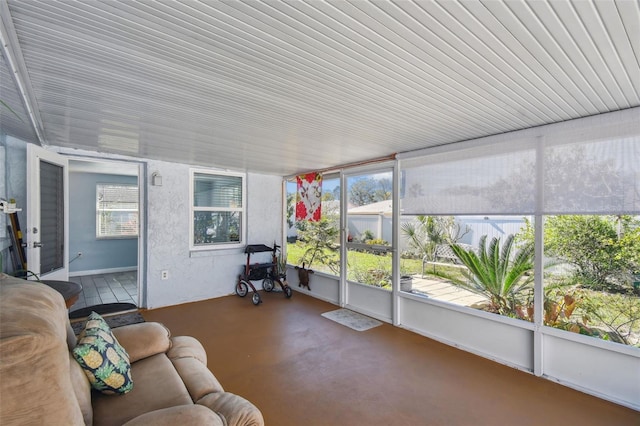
{"points": [[369, 246], [105, 206]]}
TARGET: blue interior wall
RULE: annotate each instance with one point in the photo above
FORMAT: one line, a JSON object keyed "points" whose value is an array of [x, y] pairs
{"points": [[97, 254]]}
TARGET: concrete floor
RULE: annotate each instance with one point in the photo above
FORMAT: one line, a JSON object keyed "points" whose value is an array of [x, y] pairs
{"points": [[300, 368]]}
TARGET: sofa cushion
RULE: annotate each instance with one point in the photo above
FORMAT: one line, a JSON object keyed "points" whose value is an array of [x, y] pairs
{"points": [[104, 361], [143, 340], [158, 386]]}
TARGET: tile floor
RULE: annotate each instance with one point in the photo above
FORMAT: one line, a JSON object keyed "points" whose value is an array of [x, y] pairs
{"points": [[119, 287]]}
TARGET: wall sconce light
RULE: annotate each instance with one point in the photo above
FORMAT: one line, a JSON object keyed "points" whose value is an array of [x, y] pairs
{"points": [[156, 179]]}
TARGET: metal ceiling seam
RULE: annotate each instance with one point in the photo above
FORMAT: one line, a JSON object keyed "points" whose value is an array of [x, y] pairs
{"points": [[460, 51], [85, 113], [557, 26], [396, 92], [526, 38], [138, 82], [596, 58], [83, 110], [545, 38], [475, 68], [453, 67], [632, 28], [163, 131], [373, 67], [631, 18], [526, 81], [15, 61], [487, 35], [610, 18], [515, 46], [410, 46], [343, 88]]}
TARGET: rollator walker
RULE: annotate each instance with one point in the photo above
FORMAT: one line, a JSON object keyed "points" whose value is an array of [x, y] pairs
{"points": [[267, 272]]}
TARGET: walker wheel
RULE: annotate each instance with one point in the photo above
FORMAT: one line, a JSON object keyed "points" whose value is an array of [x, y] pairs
{"points": [[288, 292], [267, 284], [242, 289], [256, 299]]}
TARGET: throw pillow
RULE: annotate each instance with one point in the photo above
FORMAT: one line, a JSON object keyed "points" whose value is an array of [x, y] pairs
{"points": [[103, 360]]}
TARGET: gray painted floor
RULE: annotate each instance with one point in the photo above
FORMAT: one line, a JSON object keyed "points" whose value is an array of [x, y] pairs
{"points": [[119, 287]]}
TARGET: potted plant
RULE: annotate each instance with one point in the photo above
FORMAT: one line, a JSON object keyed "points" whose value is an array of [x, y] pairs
{"points": [[406, 279], [406, 283]]}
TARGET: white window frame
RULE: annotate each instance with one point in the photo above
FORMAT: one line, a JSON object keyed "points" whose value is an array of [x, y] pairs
{"points": [[99, 234], [193, 209]]}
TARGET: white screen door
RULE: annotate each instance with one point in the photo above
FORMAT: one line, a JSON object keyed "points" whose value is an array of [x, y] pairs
{"points": [[47, 231]]}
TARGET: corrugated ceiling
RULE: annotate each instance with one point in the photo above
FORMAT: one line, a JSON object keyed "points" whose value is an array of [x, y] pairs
{"points": [[282, 87]]}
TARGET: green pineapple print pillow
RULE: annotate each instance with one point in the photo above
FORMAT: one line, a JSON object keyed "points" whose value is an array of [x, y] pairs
{"points": [[104, 361]]}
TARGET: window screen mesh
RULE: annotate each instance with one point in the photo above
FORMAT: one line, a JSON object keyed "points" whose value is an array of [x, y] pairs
{"points": [[589, 166]]}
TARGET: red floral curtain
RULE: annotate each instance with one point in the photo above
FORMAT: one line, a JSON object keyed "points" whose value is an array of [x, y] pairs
{"points": [[308, 200]]}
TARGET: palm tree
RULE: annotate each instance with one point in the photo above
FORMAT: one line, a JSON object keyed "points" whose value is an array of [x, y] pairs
{"points": [[496, 273], [426, 233]]}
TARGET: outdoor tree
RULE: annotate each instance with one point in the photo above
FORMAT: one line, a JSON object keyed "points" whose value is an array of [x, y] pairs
{"points": [[425, 233], [368, 190], [604, 249], [500, 273], [319, 241], [570, 177]]}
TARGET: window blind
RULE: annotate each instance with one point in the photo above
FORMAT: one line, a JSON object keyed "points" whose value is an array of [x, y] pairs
{"points": [[217, 191]]}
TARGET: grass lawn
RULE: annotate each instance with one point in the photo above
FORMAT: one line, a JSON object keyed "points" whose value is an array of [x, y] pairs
{"points": [[620, 312]]}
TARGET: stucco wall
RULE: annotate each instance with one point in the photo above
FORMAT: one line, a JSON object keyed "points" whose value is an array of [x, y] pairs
{"points": [[200, 275]]}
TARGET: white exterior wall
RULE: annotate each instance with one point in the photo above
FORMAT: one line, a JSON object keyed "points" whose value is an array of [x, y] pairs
{"points": [[203, 274]]}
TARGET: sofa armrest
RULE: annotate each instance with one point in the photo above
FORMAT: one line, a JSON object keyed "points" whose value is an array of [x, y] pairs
{"points": [[143, 340], [178, 415], [190, 361], [187, 347], [236, 410]]}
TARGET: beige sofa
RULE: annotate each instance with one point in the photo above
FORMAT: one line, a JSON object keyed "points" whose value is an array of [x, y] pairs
{"points": [[41, 383]]}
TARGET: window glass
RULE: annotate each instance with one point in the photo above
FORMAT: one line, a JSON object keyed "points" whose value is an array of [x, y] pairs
{"points": [[370, 230], [217, 209], [483, 262], [593, 285], [116, 210]]}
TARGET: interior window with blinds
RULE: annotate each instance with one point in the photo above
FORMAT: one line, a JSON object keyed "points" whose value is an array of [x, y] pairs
{"points": [[217, 209], [116, 210]]}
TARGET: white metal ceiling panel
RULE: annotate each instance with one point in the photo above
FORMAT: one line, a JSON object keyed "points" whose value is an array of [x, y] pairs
{"points": [[281, 87]]}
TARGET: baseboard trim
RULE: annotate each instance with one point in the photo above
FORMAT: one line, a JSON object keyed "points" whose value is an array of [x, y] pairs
{"points": [[103, 271]]}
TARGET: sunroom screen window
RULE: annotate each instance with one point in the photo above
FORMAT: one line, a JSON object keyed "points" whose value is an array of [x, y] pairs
{"points": [[580, 182], [471, 181], [592, 177]]}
